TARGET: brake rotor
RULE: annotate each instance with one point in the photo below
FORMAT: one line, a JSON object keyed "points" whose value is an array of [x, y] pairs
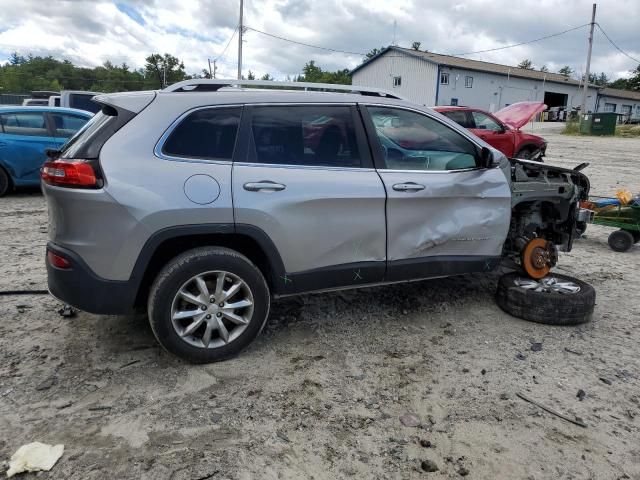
{"points": [[538, 256]]}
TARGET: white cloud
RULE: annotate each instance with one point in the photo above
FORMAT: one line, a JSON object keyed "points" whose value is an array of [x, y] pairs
{"points": [[91, 32]]}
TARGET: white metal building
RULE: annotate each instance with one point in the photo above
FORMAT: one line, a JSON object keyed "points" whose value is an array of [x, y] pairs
{"points": [[624, 102], [431, 79]]}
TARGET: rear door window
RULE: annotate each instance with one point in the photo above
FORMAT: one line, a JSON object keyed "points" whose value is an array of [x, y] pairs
{"points": [[208, 134], [66, 125], [24, 123], [460, 117], [305, 135]]}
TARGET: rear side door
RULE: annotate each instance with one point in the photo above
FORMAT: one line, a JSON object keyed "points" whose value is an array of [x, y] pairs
{"points": [[445, 214], [65, 125], [307, 181], [23, 142], [493, 132]]}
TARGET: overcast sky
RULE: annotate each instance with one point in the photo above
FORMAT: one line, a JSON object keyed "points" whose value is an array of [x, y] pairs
{"points": [[89, 32]]}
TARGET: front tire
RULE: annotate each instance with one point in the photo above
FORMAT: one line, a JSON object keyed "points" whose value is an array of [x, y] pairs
{"points": [[5, 182], [207, 304]]}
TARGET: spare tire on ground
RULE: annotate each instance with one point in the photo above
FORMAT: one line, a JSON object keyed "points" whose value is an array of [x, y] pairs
{"points": [[553, 300]]}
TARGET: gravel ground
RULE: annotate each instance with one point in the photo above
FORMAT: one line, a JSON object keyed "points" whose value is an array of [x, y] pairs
{"points": [[322, 392]]}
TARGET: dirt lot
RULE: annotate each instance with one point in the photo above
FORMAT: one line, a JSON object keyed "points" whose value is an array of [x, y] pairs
{"points": [[321, 393]]}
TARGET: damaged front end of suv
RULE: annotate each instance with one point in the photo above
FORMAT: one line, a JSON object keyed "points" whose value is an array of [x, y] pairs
{"points": [[545, 209]]}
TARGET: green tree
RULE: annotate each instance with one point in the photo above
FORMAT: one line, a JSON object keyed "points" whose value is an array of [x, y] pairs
{"points": [[633, 83], [526, 64], [266, 76], [251, 76], [567, 71], [313, 73], [415, 46], [373, 52], [544, 69], [166, 69]]}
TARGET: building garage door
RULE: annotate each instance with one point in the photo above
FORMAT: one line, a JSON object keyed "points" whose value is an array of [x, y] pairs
{"points": [[553, 99]]}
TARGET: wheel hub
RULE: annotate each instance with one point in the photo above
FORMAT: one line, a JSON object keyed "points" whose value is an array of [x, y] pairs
{"points": [[538, 256]]}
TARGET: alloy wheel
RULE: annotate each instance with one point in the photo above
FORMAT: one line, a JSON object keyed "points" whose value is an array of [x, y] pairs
{"points": [[548, 284], [212, 309]]}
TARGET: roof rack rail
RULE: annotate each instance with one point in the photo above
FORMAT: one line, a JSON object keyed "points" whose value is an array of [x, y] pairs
{"points": [[207, 85]]}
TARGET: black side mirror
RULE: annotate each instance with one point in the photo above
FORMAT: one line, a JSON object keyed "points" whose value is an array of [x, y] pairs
{"points": [[487, 159]]}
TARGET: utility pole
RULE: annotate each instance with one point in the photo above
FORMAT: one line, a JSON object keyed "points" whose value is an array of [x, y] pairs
{"points": [[585, 86], [240, 42], [215, 68], [210, 72]]}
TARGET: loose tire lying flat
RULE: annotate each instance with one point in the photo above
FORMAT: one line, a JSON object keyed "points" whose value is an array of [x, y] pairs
{"points": [[553, 300]]}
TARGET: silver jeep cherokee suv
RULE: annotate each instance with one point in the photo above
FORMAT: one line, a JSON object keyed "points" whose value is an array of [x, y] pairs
{"points": [[205, 200]]}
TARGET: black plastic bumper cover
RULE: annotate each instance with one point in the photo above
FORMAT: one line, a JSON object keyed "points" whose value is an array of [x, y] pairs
{"points": [[81, 288]]}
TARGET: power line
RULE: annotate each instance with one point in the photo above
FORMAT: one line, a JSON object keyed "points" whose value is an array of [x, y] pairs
{"points": [[302, 43], [451, 54], [235, 30], [519, 44], [616, 46]]}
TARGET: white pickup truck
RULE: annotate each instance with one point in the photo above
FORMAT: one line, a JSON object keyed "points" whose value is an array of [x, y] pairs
{"points": [[75, 99]]}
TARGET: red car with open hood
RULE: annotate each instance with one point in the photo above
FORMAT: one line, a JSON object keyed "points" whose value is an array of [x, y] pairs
{"points": [[501, 130]]}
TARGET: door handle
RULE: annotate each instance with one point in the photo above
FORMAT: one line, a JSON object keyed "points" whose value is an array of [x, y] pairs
{"points": [[408, 187], [264, 185]]}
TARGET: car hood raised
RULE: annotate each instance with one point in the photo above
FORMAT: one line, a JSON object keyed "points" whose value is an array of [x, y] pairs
{"points": [[518, 114]]}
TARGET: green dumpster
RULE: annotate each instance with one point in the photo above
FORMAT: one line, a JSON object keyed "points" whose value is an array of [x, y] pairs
{"points": [[603, 123]]}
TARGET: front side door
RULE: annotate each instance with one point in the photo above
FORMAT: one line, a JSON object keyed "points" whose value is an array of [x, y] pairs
{"points": [[307, 181], [445, 215], [493, 132], [23, 141]]}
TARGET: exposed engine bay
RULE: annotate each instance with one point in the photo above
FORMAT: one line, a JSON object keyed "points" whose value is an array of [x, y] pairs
{"points": [[545, 209]]}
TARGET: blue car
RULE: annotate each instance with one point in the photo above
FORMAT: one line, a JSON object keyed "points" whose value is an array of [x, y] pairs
{"points": [[25, 134]]}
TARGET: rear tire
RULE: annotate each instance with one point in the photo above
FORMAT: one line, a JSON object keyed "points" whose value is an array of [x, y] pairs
{"points": [[521, 297], [189, 307], [5, 182], [620, 240]]}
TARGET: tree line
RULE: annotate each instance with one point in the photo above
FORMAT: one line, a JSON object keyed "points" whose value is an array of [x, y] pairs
{"points": [[24, 74]]}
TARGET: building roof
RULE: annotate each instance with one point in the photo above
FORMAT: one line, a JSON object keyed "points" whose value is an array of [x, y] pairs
{"points": [[626, 94], [468, 64]]}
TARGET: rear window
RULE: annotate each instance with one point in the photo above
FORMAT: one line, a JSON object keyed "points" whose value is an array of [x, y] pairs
{"points": [[83, 102], [208, 134], [83, 137]]}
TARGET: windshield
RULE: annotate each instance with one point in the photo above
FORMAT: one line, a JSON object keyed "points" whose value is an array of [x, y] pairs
{"points": [[85, 134]]}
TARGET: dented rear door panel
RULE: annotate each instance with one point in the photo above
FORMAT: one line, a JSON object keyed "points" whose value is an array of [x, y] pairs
{"points": [[457, 214]]}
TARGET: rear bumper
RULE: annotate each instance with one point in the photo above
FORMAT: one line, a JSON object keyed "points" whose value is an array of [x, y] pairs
{"points": [[81, 288]]}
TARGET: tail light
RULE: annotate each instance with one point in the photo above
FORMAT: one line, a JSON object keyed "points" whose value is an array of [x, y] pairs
{"points": [[71, 173]]}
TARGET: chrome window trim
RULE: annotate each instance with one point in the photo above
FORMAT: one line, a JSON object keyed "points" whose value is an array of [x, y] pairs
{"points": [[157, 149], [457, 128], [433, 171], [302, 167]]}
